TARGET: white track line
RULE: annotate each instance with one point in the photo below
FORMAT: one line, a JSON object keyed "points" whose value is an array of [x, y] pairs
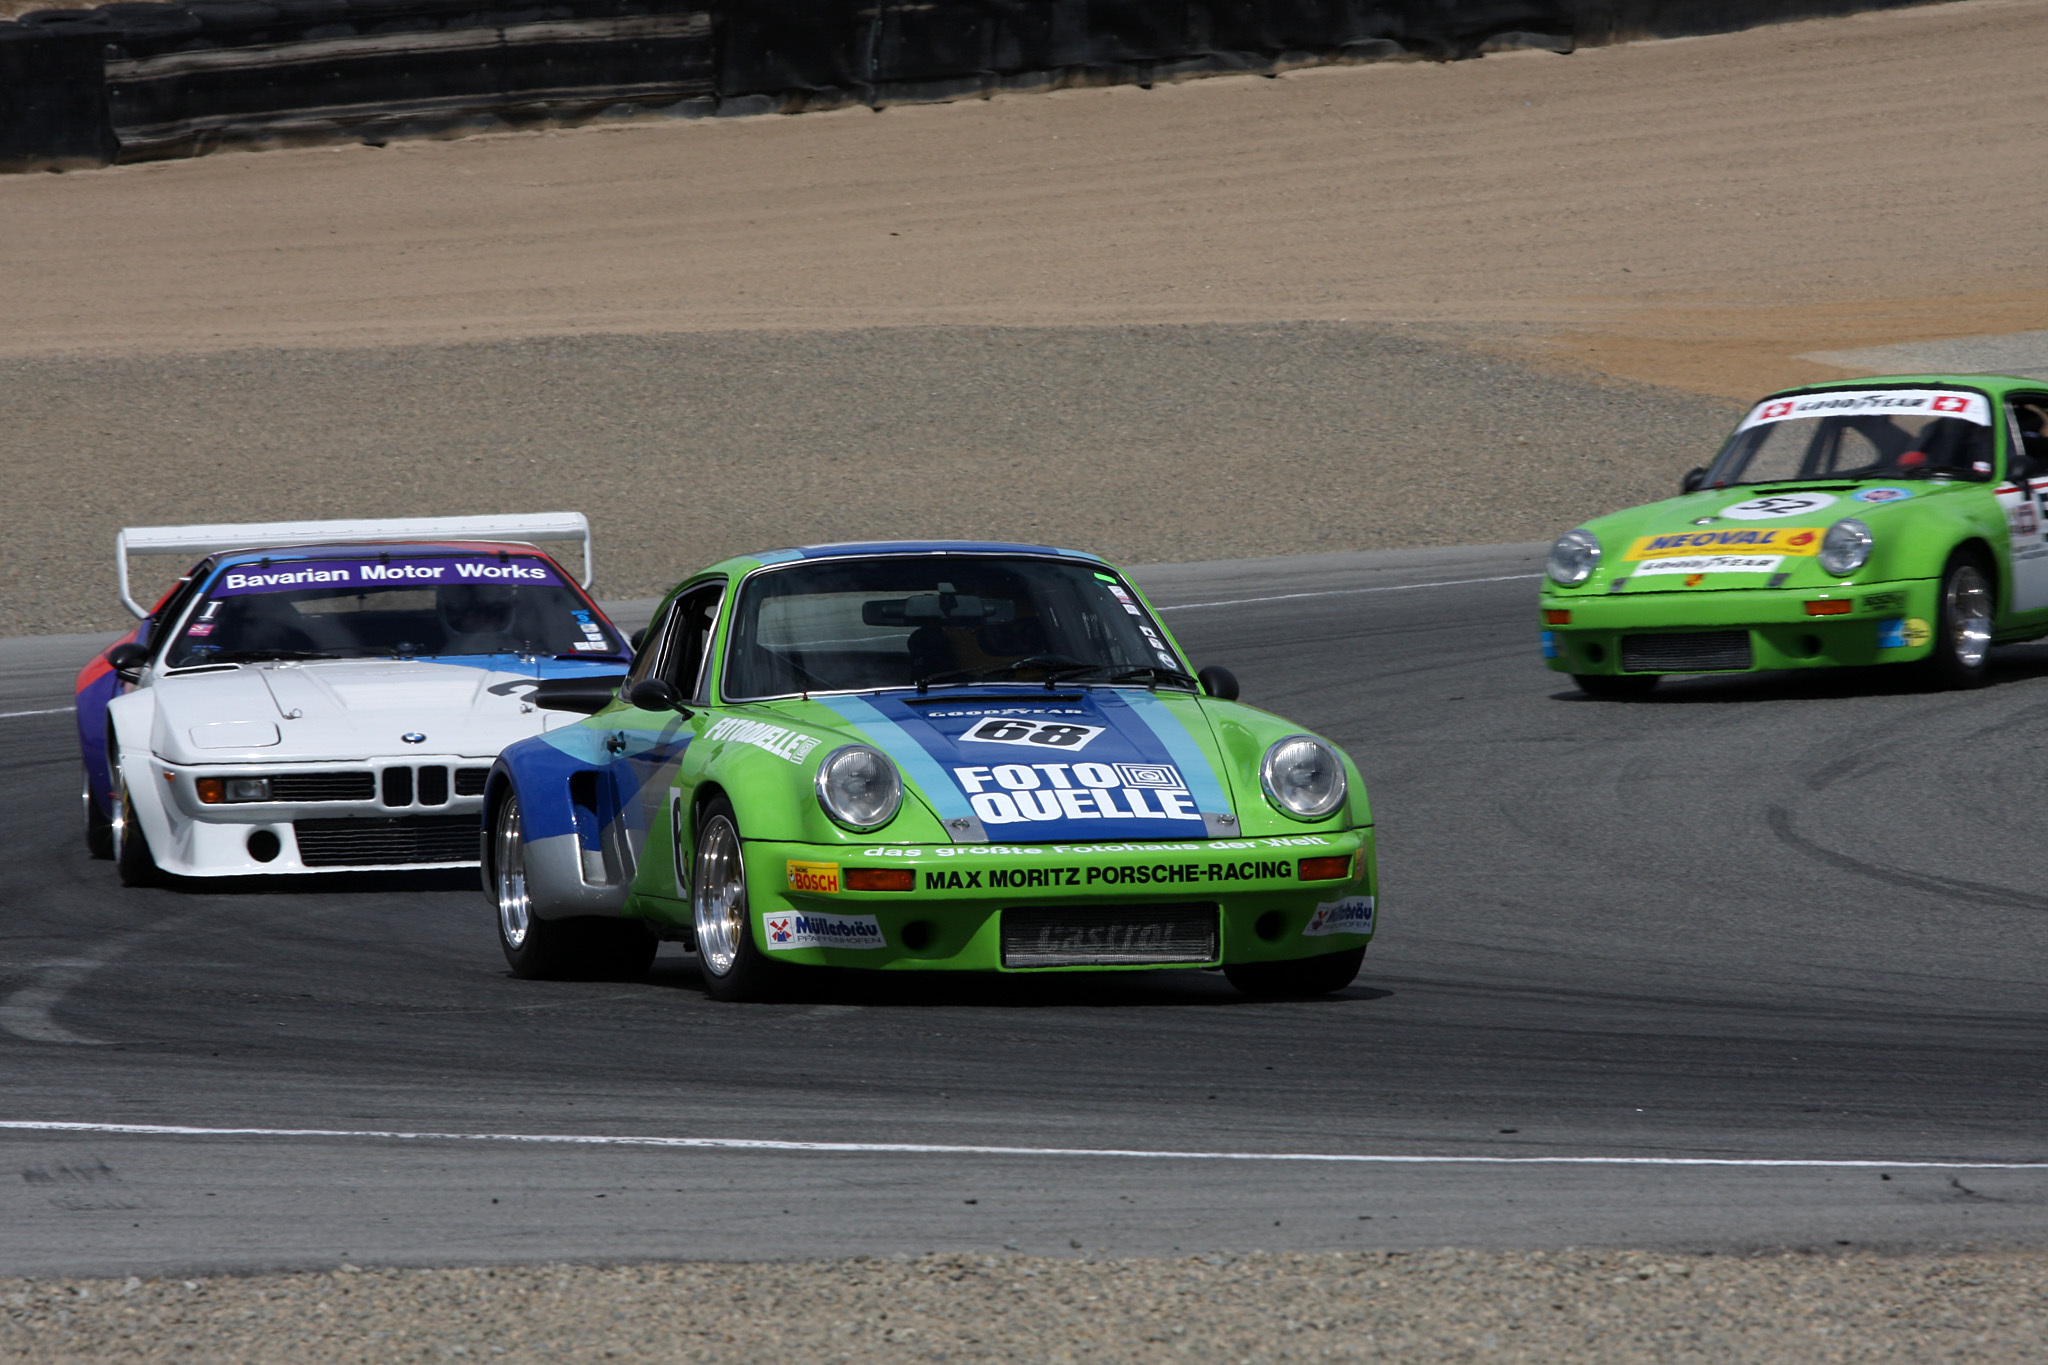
{"points": [[1349, 592], [946, 1149], [53, 711]]}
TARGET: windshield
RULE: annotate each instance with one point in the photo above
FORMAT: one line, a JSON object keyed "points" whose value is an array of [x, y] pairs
{"points": [[387, 606], [1839, 436], [856, 625]]}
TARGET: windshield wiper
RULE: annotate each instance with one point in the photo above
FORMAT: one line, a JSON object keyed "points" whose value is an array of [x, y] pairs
{"points": [[257, 656], [1158, 674], [1139, 672], [1046, 661]]}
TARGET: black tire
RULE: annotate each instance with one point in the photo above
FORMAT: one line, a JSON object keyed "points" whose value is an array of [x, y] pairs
{"points": [[99, 828], [1617, 686], [129, 845], [1964, 612], [581, 948], [733, 964], [1302, 977]]}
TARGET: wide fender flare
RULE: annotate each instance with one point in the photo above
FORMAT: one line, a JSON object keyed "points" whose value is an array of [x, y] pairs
{"points": [[96, 688], [132, 721], [1917, 542], [538, 771], [764, 810], [776, 801]]}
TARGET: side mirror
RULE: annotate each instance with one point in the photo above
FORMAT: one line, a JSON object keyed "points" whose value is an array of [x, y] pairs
{"points": [[1694, 477], [127, 659], [587, 696], [656, 694], [1218, 682]]}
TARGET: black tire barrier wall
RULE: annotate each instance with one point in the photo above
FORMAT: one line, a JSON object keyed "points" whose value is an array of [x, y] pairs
{"points": [[179, 80], [53, 100], [141, 81]]}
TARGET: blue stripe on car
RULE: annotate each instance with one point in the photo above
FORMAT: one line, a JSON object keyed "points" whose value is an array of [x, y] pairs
{"points": [[1187, 754], [933, 732]]}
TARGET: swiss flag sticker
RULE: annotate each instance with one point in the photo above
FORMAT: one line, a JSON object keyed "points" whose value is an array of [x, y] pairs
{"points": [[1949, 402], [1772, 411]]}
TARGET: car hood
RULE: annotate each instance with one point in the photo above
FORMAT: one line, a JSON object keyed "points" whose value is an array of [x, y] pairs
{"points": [[1032, 766], [347, 709], [1750, 537]]}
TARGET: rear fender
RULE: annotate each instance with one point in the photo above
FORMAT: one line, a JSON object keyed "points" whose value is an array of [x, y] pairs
{"points": [[566, 832], [95, 689]]}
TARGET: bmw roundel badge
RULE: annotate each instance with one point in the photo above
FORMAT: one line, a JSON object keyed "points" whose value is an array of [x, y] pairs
{"points": [[414, 738]]}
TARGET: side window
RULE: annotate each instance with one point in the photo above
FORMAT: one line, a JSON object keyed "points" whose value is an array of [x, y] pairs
{"points": [[689, 637], [175, 601], [2030, 419], [650, 651]]}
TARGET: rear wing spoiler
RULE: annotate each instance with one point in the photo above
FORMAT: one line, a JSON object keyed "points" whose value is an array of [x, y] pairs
{"points": [[269, 535]]}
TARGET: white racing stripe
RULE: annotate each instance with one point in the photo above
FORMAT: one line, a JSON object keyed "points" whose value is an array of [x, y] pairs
{"points": [[1350, 592], [949, 1149], [53, 711]]}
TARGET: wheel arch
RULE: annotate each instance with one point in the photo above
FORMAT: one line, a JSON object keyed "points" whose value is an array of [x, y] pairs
{"points": [[708, 791], [130, 727], [1997, 570]]}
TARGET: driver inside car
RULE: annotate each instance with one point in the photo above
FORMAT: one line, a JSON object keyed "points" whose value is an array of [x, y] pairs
{"points": [[475, 618]]}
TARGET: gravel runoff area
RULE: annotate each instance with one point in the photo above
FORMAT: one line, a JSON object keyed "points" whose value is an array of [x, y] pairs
{"points": [[1146, 443], [1581, 1306]]}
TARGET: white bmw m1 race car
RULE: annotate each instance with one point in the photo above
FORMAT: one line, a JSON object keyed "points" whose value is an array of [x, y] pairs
{"points": [[328, 696]]}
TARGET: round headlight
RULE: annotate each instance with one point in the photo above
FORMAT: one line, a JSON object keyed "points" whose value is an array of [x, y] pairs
{"points": [[1846, 547], [1573, 558], [859, 788], [1303, 777]]}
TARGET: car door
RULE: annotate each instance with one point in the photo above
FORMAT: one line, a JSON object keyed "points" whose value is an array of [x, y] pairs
{"points": [[2023, 497], [649, 746]]}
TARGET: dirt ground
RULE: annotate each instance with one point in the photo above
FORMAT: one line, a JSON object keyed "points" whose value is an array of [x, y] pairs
{"points": [[1690, 213], [1147, 444], [1580, 1306]]}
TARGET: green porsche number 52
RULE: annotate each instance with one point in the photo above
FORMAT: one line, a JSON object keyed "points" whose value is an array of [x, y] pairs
{"points": [[1869, 521]]}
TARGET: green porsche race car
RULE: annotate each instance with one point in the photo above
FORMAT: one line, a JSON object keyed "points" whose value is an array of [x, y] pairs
{"points": [[920, 756], [1869, 521]]}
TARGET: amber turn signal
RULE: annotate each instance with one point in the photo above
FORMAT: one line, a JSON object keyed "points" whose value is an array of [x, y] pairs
{"points": [[1553, 616], [881, 879], [1326, 869], [1834, 607], [210, 790]]}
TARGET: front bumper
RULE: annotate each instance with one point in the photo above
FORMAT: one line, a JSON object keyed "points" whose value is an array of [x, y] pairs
{"points": [[953, 918], [401, 821], [1886, 623]]}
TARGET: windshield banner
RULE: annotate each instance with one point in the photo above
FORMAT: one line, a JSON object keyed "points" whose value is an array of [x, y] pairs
{"points": [[1971, 407], [381, 572]]}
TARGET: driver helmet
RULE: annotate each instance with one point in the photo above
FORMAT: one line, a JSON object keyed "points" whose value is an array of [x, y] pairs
{"points": [[474, 609]]}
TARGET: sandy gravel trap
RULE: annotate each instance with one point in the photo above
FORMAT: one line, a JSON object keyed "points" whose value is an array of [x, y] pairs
{"points": [[1444, 1305]]}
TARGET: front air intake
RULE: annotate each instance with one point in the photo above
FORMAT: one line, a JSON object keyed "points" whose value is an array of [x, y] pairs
{"points": [[387, 843], [1704, 651], [1109, 935]]}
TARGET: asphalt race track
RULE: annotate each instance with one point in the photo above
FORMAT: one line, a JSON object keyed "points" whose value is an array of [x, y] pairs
{"points": [[1791, 919]]}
